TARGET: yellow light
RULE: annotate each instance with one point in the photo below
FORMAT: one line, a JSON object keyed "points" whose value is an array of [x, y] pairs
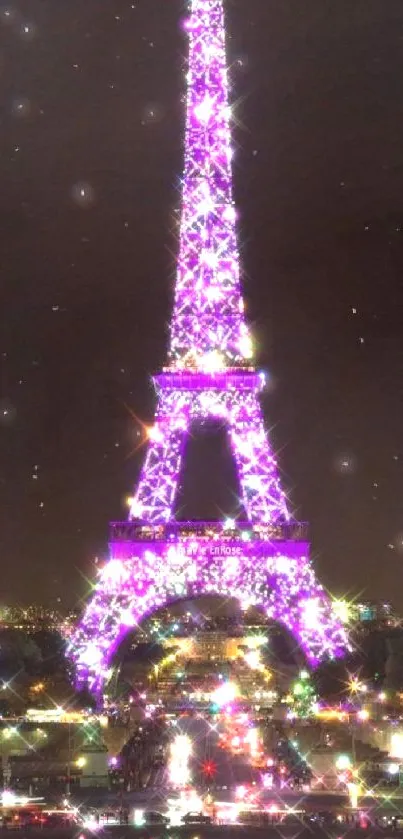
{"points": [[354, 685], [155, 434], [246, 346], [396, 746], [342, 610], [330, 714], [80, 762], [253, 642]]}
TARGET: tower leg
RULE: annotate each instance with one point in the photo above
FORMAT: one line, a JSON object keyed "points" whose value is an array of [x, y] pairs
{"points": [[278, 578], [158, 484], [262, 496]]}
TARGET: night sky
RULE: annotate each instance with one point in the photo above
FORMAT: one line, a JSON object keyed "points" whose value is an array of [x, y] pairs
{"points": [[91, 131]]}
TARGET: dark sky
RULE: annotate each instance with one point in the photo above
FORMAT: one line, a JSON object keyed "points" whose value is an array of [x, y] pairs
{"points": [[90, 154]]}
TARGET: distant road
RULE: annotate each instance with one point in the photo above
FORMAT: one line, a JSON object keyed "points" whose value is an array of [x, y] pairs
{"points": [[230, 770]]}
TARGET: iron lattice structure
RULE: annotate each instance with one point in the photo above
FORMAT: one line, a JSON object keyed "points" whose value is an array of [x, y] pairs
{"points": [[265, 560]]}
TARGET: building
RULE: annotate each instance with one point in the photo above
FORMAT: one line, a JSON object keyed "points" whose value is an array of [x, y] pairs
{"points": [[372, 612]]}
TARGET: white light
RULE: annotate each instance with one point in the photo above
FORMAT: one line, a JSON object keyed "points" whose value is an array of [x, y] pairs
{"points": [[204, 111], [180, 752], [136, 508], [92, 656], [155, 434], [343, 762], [225, 694], [127, 618], [138, 818], [212, 362], [213, 293], [8, 798], [312, 613], [246, 346], [252, 659], [396, 746]]}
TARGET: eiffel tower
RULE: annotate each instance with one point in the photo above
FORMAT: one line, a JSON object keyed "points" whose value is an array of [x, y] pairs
{"points": [[156, 559]]}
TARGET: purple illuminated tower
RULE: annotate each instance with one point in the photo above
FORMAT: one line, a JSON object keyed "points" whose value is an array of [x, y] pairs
{"points": [[156, 559]]}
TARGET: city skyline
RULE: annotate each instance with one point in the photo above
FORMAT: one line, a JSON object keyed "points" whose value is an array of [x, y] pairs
{"points": [[63, 501]]}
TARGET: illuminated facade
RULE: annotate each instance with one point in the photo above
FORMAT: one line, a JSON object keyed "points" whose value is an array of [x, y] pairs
{"points": [[205, 646], [264, 560]]}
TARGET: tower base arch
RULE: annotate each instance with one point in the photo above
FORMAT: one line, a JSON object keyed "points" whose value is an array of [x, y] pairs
{"points": [[145, 574]]}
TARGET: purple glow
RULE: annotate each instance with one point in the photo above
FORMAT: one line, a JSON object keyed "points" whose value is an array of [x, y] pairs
{"points": [[239, 410], [208, 330], [144, 576], [155, 560]]}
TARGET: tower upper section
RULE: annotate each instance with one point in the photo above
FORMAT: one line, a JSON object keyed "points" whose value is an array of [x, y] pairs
{"points": [[208, 331]]}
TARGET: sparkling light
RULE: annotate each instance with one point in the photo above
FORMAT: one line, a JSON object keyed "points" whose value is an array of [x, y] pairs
{"points": [[342, 610], [209, 377], [208, 306], [252, 659], [180, 753], [225, 694]]}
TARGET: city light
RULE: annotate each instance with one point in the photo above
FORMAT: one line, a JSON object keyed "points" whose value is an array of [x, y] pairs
{"points": [[396, 746], [8, 798], [342, 610], [343, 762], [179, 756], [138, 818], [354, 791], [225, 694], [254, 642], [252, 659]]}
